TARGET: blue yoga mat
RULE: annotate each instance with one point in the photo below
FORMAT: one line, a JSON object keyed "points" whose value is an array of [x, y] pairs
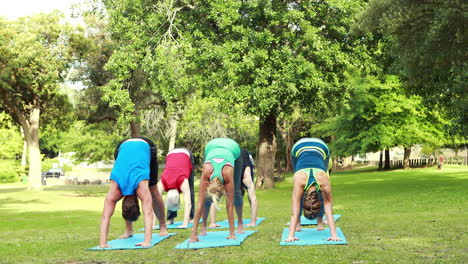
{"points": [[129, 243], [215, 239], [311, 236], [175, 225], [225, 223], [305, 221]]}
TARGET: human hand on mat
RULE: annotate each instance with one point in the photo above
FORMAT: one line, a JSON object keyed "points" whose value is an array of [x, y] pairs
{"points": [[334, 238], [240, 229], [231, 237], [251, 224], [214, 225], [143, 244], [182, 226], [291, 239]]}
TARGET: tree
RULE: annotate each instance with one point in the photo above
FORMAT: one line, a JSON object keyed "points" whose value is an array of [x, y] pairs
{"points": [[36, 52], [380, 116], [428, 40], [269, 56]]}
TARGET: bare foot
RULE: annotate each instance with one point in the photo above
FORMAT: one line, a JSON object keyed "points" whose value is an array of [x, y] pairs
{"points": [[213, 225], [163, 231], [320, 227], [127, 234], [240, 229]]}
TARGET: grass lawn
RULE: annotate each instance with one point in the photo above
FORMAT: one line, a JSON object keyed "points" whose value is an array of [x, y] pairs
{"points": [[400, 216]]}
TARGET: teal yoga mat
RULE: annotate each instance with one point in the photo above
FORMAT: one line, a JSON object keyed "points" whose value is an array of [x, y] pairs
{"points": [[129, 243], [305, 221], [311, 236], [175, 225], [215, 239], [225, 223]]}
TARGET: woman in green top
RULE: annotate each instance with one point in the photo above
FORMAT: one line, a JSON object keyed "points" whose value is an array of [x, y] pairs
{"points": [[220, 174]]}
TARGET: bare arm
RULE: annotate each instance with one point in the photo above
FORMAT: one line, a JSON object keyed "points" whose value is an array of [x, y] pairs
{"points": [[228, 175], [200, 204], [326, 190], [144, 194], [185, 188], [298, 190], [112, 197]]}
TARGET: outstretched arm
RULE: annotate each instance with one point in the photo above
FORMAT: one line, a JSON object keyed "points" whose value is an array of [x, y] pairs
{"points": [[112, 197], [144, 194], [326, 190], [185, 188], [298, 191], [201, 201], [228, 175]]}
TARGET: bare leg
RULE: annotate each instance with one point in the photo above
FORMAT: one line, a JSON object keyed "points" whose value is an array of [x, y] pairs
{"points": [[213, 217], [240, 221], [158, 208], [128, 230]]}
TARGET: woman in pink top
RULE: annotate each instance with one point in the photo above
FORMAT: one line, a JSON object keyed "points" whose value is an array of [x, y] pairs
{"points": [[177, 178]]}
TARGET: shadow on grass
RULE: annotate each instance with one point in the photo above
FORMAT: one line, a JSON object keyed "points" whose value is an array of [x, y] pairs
{"points": [[16, 189], [80, 190], [4, 203]]}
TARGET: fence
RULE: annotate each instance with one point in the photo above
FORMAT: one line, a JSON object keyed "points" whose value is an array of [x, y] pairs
{"points": [[417, 163]]}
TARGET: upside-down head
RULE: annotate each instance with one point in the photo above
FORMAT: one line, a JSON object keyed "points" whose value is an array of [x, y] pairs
{"points": [[130, 208], [172, 200], [312, 205], [215, 191]]}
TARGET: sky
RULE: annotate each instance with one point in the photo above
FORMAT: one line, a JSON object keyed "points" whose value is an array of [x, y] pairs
{"points": [[12, 9]]}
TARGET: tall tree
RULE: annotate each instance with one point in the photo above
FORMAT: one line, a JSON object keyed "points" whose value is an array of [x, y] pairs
{"points": [[36, 52], [267, 55], [381, 116], [428, 40]]}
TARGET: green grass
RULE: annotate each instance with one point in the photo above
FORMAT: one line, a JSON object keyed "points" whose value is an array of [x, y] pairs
{"points": [[400, 216]]}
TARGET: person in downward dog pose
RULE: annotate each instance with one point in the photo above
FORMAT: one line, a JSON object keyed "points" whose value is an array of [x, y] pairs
{"points": [[220, 175], [177, 178], [311, 186], [134, 177], [247, 172]]}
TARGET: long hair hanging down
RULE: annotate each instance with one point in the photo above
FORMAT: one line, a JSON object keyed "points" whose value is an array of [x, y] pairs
{"points": [[216, 191], [312, 205]]}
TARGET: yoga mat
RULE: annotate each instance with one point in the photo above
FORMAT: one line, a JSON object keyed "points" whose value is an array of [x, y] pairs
{"points": [[225, 223], [129, 243], [215, 239], [311, 236], [305, 221], [175, 225]]}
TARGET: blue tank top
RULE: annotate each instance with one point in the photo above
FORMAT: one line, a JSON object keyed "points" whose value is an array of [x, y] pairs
{"points": [[131, 166], [310, 153]]}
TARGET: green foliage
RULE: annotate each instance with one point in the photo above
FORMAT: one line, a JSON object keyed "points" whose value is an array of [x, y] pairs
{"points": [[91, 143], [11, 141], [428, 42], [380, 116], [204, 120], [268, 55], [10, 171]]}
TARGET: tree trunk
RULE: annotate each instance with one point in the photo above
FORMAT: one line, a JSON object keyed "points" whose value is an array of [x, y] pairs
{"points": [[387, 159], [135, 128], [287, 139], [266, 152], [25, 149], [173, 130], [32, 137], [381, 160], [406, 157]]}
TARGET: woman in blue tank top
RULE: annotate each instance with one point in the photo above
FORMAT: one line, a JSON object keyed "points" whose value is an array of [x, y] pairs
{"points": [[311, 184], [134, 177]]}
